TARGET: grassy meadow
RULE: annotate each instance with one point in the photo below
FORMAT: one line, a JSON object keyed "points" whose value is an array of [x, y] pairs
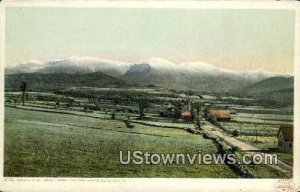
{"points": [[41, 144], [79, 132]]}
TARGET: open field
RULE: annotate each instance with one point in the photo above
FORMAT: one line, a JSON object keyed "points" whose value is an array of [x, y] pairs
{"points": [[79, 132], [275, 117], [252, 129], [50, 144]]}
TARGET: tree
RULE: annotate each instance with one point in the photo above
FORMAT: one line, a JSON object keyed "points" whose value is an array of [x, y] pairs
{"points": [[96, 103], [198, 122], [206, 113], [143, 104], [113, 116], [57, 104], [178, 105], [23, 88], [235, 133], [195, 106], [127, 122], [115, 101], [198, 108]]}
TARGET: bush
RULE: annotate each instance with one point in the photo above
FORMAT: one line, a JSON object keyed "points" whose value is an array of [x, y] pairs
{"points": [[128, 124], [235, 133], [213, 120], [234, 149]]}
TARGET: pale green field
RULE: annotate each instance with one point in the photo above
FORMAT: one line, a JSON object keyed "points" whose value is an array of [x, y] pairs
{"points": [[42, 144], [251, 129], [275, 117]]}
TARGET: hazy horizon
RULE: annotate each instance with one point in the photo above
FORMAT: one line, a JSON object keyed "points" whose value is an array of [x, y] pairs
{"points": [[242, 40]]}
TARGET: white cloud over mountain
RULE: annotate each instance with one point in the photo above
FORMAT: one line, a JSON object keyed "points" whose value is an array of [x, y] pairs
{"points": [[77, 64]]}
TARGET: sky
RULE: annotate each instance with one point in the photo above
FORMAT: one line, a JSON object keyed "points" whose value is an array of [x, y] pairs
{"points": [[235, 39]]}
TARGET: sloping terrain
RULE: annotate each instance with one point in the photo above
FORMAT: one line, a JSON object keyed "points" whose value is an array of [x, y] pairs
{"points": [[270, 84], [273, 91]]}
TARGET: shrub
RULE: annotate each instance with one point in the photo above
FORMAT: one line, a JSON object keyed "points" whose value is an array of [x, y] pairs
{"points": [[235, 133], [128, 124], [234, 149]]}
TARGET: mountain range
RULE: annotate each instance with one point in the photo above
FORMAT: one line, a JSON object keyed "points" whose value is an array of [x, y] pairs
{"points": [[153, 71], [72, 65], [277, 91]]}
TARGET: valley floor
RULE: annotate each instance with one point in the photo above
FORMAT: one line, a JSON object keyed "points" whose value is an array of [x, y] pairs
{"points": [[49, 143], [43, 144]]}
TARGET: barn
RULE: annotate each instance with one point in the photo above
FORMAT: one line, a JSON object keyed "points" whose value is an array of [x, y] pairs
{"points": [[220, 114], [186, 115], [285, 139]]}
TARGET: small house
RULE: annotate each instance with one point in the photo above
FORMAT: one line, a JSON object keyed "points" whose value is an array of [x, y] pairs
{"points": [[285, 138], [186, 115], [220, 114]]}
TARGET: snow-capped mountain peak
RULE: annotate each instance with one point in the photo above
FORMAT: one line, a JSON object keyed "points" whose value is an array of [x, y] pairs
{"points": [[73, 64], [77, 64], [158, 63]]}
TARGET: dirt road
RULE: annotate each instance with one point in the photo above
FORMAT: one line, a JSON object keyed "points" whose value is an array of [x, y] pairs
{"points": [[218, 133]]}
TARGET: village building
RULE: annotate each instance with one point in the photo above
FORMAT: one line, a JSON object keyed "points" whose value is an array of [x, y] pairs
{"points": [[285, 139], [220, 114], [186, 115]]}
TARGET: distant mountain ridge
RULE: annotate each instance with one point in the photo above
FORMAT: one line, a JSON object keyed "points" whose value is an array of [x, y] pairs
{"points": [[192, 75], [156, 71], [269, 85], [58, 81], [277, 91], [73, 65]]}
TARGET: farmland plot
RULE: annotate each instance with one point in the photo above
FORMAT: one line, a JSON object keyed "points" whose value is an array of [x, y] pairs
{"points": [[251, 129], [50, 144], [262, 124], [275, 117]]}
